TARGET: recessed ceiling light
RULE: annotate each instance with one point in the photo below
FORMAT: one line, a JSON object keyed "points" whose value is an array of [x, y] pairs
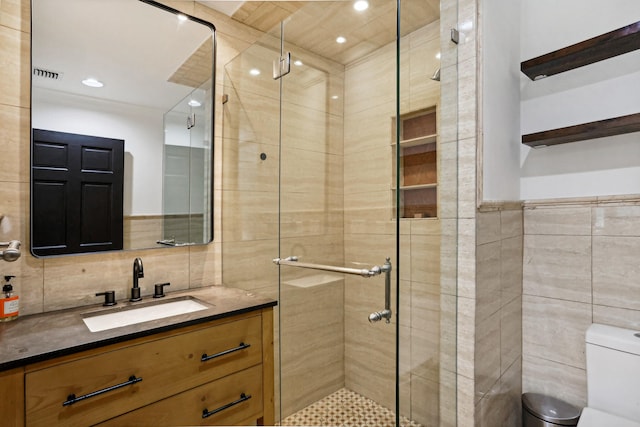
{"points": [[361, 5], [254, 72], [182, 17], [297, 63], [91, 82], [194, 103], [341, 40], [335, 97], [438, 55]]}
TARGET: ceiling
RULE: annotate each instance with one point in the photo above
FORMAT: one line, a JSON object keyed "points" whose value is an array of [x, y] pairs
{"points": [[315, 25]]}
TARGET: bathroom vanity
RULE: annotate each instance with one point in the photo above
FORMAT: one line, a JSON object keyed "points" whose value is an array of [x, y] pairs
{"points": [[210, 367]]}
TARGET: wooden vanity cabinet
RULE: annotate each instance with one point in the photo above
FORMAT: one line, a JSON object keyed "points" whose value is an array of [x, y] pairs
{"points": [[168, 378]]}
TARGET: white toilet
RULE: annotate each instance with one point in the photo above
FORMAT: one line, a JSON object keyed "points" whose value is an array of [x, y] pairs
{"points": [[613, 378]]}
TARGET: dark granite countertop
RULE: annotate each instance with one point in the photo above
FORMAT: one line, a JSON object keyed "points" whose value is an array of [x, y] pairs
{"points": [[39, 337]]}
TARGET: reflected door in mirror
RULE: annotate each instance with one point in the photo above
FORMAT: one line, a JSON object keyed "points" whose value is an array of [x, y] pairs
{"points": [[77, 193]]}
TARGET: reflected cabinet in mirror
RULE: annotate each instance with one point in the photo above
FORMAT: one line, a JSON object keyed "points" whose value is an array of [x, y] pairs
{"points": [[122, 126]]}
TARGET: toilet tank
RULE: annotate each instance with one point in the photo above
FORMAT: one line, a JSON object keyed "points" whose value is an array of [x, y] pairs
{"points": [[613, 370]]}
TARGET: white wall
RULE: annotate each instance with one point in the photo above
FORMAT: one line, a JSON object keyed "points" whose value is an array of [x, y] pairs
{"points": [[500, 46], [611, 88], [140, 127]]}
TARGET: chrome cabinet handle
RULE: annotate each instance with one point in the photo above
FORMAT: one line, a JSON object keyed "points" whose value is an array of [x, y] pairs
{"points": [[243, 397], [71, 399], [242, 346]]}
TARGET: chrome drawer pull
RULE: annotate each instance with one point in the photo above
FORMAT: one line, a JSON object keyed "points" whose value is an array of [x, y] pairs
{"points": [[71, 399], [243, 397], [242, 346]]}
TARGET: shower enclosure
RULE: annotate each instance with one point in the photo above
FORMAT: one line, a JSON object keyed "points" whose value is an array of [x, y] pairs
{"points": [[339, 198], [186, 167]]}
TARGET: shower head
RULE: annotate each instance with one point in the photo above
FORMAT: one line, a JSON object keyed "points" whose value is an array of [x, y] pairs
{"points": [[12, 251], [436, 75]]}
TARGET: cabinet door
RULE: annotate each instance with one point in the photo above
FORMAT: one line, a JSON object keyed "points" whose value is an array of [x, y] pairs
{"points": [[231, 400], [12, 401]]}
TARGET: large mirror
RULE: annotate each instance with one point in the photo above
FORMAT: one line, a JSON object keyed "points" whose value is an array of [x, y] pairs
{"points": [[122, 126]]}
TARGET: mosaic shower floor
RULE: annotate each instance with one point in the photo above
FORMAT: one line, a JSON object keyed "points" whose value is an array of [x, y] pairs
{"points": [[345, 408]]}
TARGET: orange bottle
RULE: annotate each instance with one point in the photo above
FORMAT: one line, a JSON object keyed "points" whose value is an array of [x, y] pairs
{"points": [[9, 303]]}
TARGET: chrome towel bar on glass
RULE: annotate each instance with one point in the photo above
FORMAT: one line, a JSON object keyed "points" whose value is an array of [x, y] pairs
{"points": [[373, 271], [293, 261]]}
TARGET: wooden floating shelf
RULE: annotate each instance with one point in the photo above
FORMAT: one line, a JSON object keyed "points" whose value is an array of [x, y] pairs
{"points": [[613, 43], [422, 140], [599, 129], [416, 187]]}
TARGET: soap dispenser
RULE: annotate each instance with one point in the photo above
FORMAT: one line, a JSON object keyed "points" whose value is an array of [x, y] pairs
{"points": [[9, 303]]}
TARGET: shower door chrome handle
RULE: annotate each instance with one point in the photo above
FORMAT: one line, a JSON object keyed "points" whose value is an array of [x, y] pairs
{"points": [[373, 271], [376, 316]]}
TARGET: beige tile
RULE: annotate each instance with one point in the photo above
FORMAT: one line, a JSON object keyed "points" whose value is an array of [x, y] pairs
{"points": [[364, 212], [311, 129], [558, 267], [554, 329], [448, 181], [487, 354], [511, 223], [312, 352], [370, 77], [467, 108], [241, 210], [425, 259], [488, 227], [466, 255], [574, 221], [448, 331], [448, 257], [465, 407], [205, 263], [370, 129], [15, 72], [368, 171], [616, 277], [488, 261], [74, 280], [554, 379], [621, 317], [466, 337], [447, 398], [502, 405], [249, 265], [244, 170], [616, 220], [368, 372], [311, 171], [14, 144], [16, 14], [511, 268], [15, 208], [467, 185], [425, 400], [510, 334]]}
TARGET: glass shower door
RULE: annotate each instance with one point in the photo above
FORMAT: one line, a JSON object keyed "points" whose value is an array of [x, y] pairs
{"points": [[347, 159]]}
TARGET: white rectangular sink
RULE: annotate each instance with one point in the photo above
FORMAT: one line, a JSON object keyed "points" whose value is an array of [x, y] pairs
{"points": [[126, 316]]}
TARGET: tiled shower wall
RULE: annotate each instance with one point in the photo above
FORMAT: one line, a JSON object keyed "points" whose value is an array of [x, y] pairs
{"points": [[580, 267]]}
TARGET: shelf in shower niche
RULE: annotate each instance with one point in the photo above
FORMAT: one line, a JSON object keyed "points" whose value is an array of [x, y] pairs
{"points": [[422, 140], [585, 131], [604, 46]]}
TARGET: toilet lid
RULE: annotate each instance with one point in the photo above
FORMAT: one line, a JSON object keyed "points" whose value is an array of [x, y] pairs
{"points": [[593, 418]]}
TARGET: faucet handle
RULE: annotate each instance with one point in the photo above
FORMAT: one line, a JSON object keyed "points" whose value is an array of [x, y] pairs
{"points": [[159, 289], [109, 298]]}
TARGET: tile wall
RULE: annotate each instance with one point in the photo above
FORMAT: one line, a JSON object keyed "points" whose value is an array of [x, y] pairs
{"points": [[580, 267], [498, 315]]}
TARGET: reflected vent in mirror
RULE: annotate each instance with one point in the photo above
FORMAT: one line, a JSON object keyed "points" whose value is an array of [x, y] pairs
{"points": [[47, 74]]}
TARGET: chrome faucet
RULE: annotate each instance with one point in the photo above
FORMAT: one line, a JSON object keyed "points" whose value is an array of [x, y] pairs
{"points": [[138, 273]]}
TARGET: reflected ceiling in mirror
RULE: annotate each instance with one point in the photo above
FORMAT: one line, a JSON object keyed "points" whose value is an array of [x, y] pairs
{"points": [[148, 74]]}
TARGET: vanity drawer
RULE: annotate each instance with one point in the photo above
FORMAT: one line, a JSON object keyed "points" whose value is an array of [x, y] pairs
{"points": [[123, 378], [231, 400]]}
